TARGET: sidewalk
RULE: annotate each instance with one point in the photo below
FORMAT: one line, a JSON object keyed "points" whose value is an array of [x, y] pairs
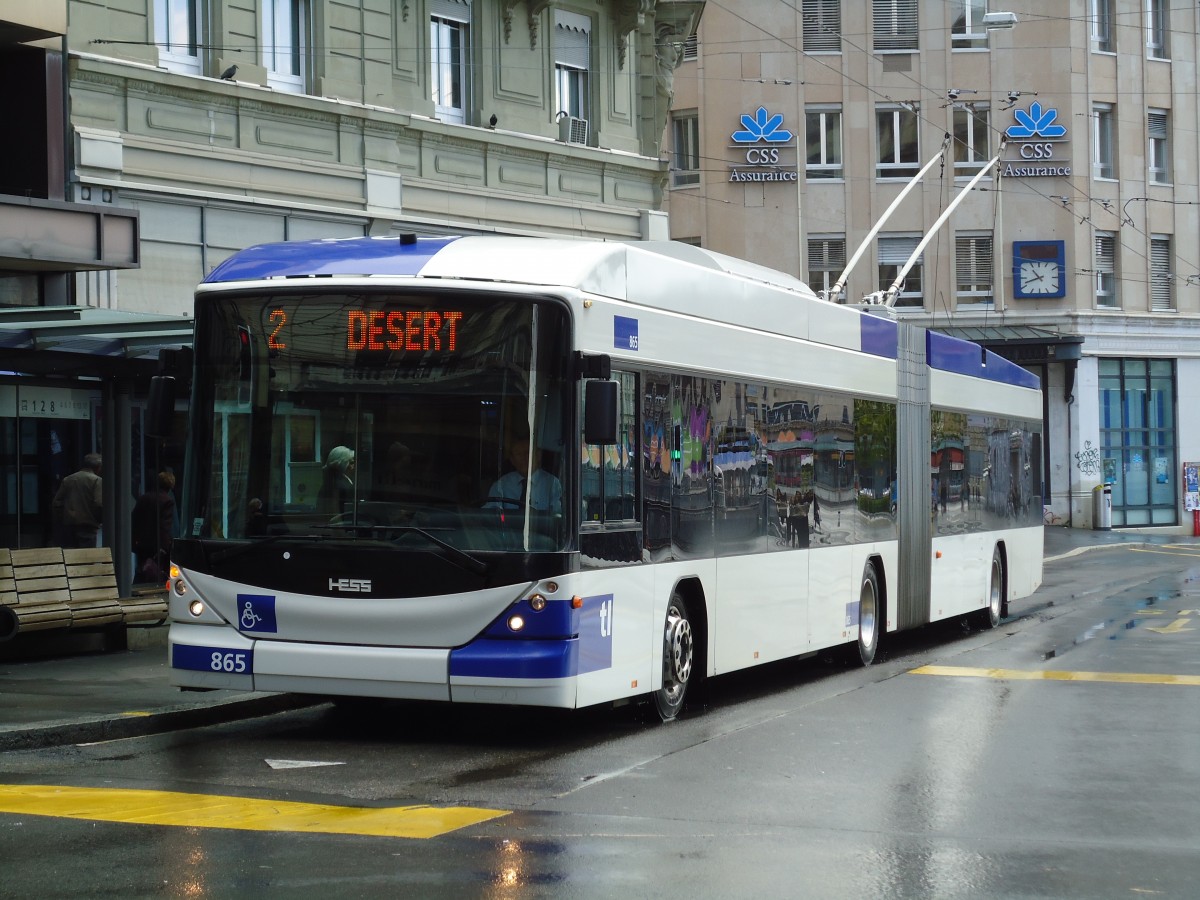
{"points": [[81, 698]]}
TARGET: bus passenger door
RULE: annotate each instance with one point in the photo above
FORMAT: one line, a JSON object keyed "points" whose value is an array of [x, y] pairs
{"points": [[615, 658]]}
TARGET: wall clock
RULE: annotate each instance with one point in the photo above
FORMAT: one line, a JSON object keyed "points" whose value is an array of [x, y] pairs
{"points": [[1039, 269]]}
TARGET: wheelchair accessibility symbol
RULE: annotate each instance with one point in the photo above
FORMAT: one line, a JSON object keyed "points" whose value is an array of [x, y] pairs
{"points": [[256, 613], [249, 617]]}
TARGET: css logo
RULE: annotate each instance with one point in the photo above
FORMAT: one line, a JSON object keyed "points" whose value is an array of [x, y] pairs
{"points": [[1037, 151], [759, 156]]}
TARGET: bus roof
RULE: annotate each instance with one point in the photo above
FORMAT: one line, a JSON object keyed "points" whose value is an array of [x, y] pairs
{"points": [[667, 275]]}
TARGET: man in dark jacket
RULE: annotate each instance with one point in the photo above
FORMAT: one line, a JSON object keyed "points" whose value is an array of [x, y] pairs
{"points": [[153, 530], [78, 504]]}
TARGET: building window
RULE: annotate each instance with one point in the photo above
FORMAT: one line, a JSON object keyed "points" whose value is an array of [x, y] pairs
{"points": [[822, 26], [685, 148], [972, 139], [893, 254], [973, 266], [177, 32], [285, 47], [1104, 265], [967, 29], [1102, 26], [1158, 152], [1104, 158], [896, 138], [572, 62], [826, 260], [1158, 27], [449, 58], [1162, 279], [823, 142], [1138, 439], [894, 24]]}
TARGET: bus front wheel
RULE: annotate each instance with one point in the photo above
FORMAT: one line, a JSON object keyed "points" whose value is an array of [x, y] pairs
{"points": [[679, 654], [869, 609]]}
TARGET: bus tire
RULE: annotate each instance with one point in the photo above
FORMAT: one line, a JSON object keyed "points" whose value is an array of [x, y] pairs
{"points": [[990, 616], [679, 656], [870, 608]]}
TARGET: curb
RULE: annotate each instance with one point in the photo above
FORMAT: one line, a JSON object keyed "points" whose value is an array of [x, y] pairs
{"points": [[109, 728]]}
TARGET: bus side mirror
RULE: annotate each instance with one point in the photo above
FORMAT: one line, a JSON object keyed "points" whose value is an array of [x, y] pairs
{"points": [[160, 406], [599, 412]]}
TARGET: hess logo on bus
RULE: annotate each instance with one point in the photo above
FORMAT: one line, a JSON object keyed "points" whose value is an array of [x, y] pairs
{"points": [[350, 585]]}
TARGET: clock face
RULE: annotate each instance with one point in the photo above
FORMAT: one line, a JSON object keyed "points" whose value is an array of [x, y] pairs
{"points": [[1039, 277]]}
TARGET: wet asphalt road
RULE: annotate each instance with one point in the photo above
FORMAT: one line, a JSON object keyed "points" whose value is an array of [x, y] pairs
{"points": [[804, 779]]}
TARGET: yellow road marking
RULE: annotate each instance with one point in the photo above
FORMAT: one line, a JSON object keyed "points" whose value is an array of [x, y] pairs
{"points": [[1056, 675], [143, 807], [1181, 550], [1174, 628]]}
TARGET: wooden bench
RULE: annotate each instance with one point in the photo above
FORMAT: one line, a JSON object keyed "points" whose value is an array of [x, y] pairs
{"points": [[92, 582], [95, 598], [39, 598], [49, 587]]}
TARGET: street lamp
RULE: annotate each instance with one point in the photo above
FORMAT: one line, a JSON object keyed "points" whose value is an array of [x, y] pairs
{"points": [[999, 21]]}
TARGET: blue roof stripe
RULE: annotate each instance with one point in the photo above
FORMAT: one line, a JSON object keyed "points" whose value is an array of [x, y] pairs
{"points": [[951, 354], [343, 256], [878, 336]]}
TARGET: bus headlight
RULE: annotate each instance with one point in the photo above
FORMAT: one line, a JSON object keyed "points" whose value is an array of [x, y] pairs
{"points": [[516, 623], [180, 587], [537, 602], [196, 608]]}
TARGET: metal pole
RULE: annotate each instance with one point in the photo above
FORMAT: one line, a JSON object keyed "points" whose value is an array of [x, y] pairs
{"points": [[890, 297], [840, 284]]}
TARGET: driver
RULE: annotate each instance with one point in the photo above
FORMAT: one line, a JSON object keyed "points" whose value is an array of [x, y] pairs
{"points": [[542, 489]]}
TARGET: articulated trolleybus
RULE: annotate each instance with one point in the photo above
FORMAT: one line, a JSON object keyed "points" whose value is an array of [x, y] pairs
{"points": [[564, 473]]}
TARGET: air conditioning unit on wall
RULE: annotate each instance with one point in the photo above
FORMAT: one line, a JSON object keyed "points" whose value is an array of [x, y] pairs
{"points": [[572, 130]]}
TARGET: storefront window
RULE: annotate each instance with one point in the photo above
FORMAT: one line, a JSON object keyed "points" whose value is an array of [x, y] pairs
{"points": [[1137, 436]]}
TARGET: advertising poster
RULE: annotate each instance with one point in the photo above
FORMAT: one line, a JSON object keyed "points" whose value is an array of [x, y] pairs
{"points": [[1191, 486]]}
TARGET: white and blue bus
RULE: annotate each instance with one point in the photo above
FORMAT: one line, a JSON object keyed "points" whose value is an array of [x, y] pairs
{"points": [[727, 470]]}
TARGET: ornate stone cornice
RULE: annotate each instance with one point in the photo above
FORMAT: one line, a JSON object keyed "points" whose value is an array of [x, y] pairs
{"points": [[534, 8]]}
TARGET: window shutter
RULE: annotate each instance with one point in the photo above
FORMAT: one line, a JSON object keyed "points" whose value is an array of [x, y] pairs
{"points": [[895, 251], [571, 34], [827, 254], [1160, 275], [973, 262], [895, 24], [1156, 123], [456, 10], [822, 26], [1105, 252]]}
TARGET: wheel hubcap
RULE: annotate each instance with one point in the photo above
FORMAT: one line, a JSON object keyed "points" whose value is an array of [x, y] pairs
{"points": [[997, 582], [866, 615], [677, 665]]}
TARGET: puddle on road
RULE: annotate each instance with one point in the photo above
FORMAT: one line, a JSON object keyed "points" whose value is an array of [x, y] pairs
{"points": [[1119, 625]]}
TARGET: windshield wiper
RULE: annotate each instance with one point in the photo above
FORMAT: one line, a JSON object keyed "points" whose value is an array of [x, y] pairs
{"points": [[460, 557]]}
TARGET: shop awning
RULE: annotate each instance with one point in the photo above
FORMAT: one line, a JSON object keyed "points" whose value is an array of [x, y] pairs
{"points": [[76, 339]]}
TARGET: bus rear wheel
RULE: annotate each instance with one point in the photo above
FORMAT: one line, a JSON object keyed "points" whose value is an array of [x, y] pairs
{"points": [[679, 654], [869, 609], [990, 616]]}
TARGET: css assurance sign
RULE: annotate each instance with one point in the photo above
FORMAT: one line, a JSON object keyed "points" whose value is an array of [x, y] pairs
{"points": [[1036, 137], [770, 154]]}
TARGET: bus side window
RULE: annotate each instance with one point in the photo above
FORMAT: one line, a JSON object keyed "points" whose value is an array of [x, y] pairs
{"points": [[608, 476]]}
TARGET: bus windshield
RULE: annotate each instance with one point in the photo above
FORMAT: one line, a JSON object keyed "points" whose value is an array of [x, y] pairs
{"points": [[413, 419]]}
